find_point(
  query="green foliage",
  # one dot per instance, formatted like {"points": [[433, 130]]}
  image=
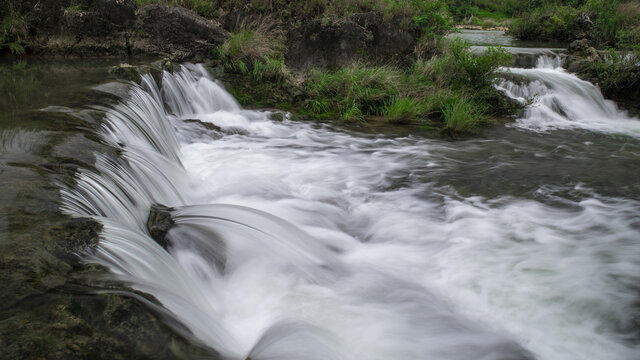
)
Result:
{"points": [[433, 17], [618, 72], [442, 87], [612, 23], [14, 32], [480, 69]]}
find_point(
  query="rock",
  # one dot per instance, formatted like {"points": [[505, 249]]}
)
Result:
{"points": [[159, 223], [368, 20], [390, 43], [365, 37], [177, 31], [326, 46], [578, 46], [126, 72], [236, 18]]}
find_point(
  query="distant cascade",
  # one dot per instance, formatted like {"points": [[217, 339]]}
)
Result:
{"points": [[556, 99]]}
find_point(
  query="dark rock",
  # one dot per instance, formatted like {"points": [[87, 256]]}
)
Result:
{"points": [[206, 125], [391, 43], [118, 12], [578, 46], [236, 19], [369, 20], [159, 223], [367, 37], [327, 46], [126, 72], [176, 31]]}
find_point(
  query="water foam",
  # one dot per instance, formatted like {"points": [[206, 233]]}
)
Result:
{"points": [[297, 241]]}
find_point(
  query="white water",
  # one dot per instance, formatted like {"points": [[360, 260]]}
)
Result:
{"points": [[295, 241], [560, 100]]}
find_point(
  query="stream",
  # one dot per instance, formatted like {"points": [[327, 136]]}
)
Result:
{"points": [[303, 240]]}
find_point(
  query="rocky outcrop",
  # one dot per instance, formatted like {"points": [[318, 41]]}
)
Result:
{"points": [[112, 27], [366, 37], [176, 31]]}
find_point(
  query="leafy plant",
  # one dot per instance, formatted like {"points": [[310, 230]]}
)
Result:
{"points": [[13, 29]]}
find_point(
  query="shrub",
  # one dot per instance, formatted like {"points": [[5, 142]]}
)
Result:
{"points": [[480, 69], [13, 29]]}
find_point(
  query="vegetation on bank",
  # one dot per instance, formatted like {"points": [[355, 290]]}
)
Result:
{"points": [[605, 23], [452, 91], [13, 29], [444, 86]]}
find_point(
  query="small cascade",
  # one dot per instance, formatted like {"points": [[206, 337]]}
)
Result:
{"points": [[556, 99]]}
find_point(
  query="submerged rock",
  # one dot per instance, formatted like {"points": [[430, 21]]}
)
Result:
{"points": [[126, 72], [159, 223]]}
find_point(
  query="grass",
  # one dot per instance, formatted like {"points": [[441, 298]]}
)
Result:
{"points": [[462, 115], [403, 110], [256, 50], [454, 88]]}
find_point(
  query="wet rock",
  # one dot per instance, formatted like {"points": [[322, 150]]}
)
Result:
{"points": [[126, 72], [159, 223], [206, 125]]}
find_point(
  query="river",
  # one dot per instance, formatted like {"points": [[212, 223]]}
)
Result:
{"points": [[302, 240]]}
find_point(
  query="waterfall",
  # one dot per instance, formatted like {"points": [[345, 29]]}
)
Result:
{"points": [[557, 99], [296, 241]]}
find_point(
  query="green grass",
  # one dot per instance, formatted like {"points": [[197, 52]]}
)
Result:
{"points": [[462, 115], [442, 88], [403, 110], [256, 50]]}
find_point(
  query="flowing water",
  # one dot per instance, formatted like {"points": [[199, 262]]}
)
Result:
{"points": [[297, 240]]}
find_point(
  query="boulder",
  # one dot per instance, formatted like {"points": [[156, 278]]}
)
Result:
{"points": [[176, 31], [391, 43], [365, 37], [578, 46], [318, 45]]}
